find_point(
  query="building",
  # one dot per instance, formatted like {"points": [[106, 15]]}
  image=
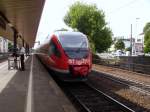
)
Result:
{"points": [[126, 40], [3, 45], [138, 46], [137, 43]]}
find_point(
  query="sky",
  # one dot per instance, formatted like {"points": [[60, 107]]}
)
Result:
{"points": [[119, 15]]}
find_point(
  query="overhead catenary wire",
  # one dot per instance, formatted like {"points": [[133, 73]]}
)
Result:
{"points": [[123, 6]]}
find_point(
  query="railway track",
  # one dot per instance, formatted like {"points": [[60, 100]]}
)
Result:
{"points": [[92, 99], [124, 71], [135, 85]]}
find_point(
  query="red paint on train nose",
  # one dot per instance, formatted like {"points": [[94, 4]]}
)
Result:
{"points": [[80, 70]]}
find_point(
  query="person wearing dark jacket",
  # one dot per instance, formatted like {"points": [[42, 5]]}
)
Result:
{"points": [[22, 52]]}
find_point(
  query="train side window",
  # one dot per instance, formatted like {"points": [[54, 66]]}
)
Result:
{"points": [[50, 51], [53, 49]]}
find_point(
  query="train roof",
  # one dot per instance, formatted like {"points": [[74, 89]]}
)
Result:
{"points": [[59, 34]]}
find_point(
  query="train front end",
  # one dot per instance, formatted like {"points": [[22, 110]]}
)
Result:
{"points": [[76, 48]]}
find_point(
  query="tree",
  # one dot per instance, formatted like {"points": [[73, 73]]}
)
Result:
{"points": [[91, 21], [147, 46], [146, 31], [62, 29], [119, 45], [128, 49], [146, 28]]}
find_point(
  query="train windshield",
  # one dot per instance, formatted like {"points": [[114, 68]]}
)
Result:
{"points": [[73, 41], [75, 46]]}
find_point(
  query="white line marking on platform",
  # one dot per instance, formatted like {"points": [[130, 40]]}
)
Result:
{"points": [[29, 96]]}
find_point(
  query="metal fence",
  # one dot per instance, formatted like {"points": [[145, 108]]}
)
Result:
{"points": [[4, 56], [136, 64]]}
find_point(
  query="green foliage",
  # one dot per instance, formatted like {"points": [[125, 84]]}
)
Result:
{"points": [[10, 46], [147, 46], [92, 46], [147, 38], [128, 49], [62, 29], [119, 45], [147, 26], [90, 20]]}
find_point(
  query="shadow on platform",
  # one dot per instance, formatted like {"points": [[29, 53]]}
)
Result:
{"points": [[13, 96]]}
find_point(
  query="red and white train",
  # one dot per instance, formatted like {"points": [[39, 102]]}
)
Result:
{"points": [[68, 54]]}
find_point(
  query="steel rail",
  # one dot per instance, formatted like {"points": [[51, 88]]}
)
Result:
{"points": [[121, 104], [82, 93], [131, 86]]}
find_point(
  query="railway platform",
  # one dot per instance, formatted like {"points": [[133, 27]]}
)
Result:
{"points": [[32, 90]]}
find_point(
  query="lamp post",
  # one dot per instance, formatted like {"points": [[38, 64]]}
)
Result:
{"points": [[131, 41], [137, 32], [136, 35]]}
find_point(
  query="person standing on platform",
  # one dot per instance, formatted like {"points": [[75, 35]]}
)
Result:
{"points": [[22, 52]]}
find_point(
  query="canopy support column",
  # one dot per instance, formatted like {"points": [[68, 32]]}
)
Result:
{"points": [[22, 42], [27, 49], [15, 43], [15, 48]]}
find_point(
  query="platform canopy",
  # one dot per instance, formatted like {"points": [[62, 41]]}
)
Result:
{"points": [[23, 15]]}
